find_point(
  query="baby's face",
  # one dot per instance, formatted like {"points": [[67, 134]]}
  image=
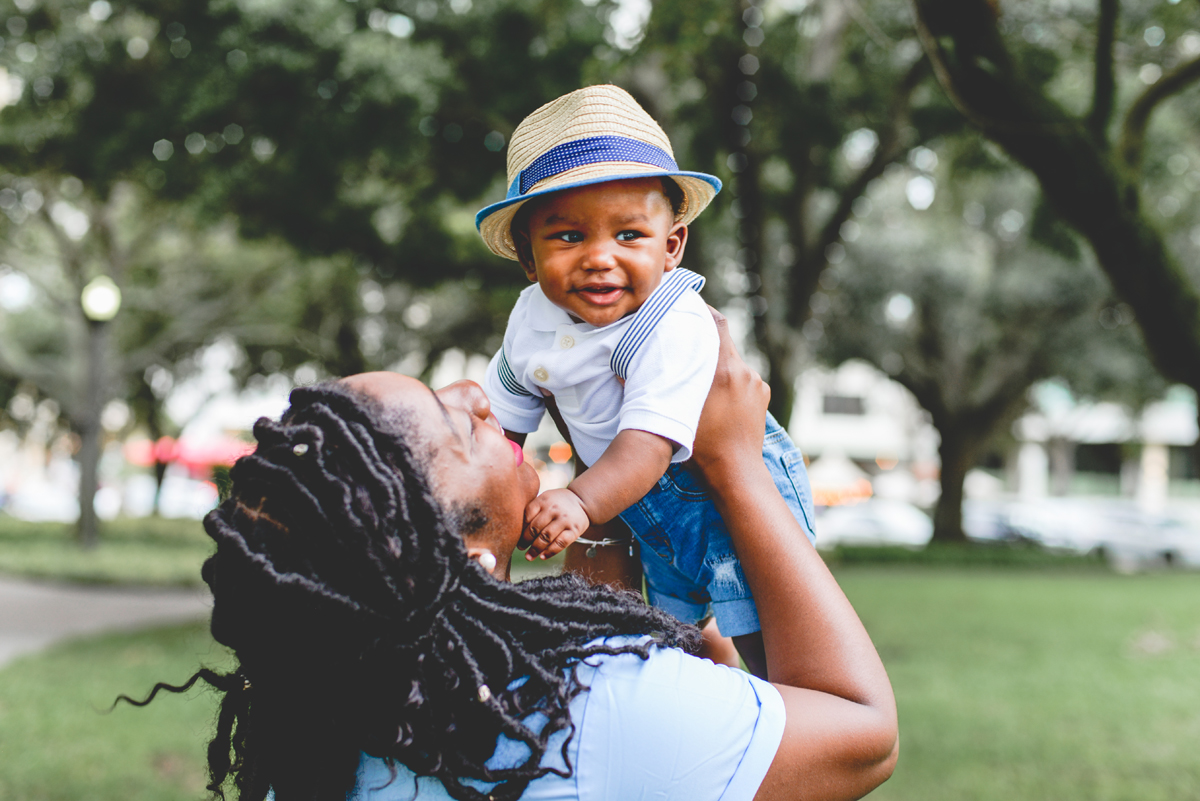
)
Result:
{"points": [[599, 251]]}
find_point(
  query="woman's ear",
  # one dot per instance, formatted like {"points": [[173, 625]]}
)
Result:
{"points": [[676, 244], [485, 558]]}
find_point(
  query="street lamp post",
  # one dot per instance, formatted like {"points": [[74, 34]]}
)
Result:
{"points": [[100, 300]]}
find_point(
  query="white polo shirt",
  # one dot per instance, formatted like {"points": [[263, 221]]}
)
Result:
{"points": [[666, 352]]}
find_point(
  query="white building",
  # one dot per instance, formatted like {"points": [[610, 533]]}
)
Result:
{"points": [[1063, 447]]}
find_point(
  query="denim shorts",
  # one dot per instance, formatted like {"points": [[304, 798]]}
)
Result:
{"points": [[688, 559]]}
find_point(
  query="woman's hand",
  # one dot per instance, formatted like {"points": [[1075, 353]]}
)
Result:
{"points": [[730, 434]]}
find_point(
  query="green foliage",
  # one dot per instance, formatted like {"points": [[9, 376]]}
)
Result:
{"points": [[307, 120], [149, 551]]}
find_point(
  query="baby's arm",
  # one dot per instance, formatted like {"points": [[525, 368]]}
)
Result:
{"points": [[629, 467]]}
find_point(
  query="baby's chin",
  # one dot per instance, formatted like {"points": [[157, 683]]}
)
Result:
{"points": [[602, 316]]}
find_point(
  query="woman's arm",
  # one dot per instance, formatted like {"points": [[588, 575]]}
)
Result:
{"points": [[840, 740]]}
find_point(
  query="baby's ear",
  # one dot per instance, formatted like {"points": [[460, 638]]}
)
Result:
{"points": [[525, 254], [676, 244]]}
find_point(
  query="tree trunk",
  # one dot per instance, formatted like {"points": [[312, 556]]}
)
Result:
{"points": [[1062, 466], [89, 434], [349, 359], [782, 380], [769, 300], [957, 453], [1195, 449], [153, 411]]}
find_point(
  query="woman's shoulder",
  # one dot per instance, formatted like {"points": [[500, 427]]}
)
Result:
{"points": [[659, 663], [676, 723], [668, 682]]}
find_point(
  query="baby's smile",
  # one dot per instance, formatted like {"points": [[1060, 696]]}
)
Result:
{"points": [[601, 294]]}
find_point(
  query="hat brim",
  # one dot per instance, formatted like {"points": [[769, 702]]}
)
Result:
{"points": [[494, 222]]}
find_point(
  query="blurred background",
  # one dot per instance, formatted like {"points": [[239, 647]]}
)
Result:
{"points": [[961, 239]]}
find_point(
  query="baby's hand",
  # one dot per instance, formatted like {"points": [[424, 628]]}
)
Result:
{"points": [[553, 520]]}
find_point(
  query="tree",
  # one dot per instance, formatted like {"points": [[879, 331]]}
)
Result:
{"points": [[969, 300], [799, 108], [180, 289], [1088, 150]]}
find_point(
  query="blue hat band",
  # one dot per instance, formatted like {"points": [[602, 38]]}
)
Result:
{"points": [[570, 155]]}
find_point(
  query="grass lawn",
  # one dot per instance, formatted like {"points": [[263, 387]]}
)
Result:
{"points": [[1038, 685], [57, 744], [146, 551], [141, 551]]}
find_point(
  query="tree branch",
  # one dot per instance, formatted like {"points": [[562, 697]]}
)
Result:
{"points": [[1133, 133], [928, 395], [68, 251], [872, 30], [1026, 366], [1085, 184], [827, 46], [48, 378], [802, 284], [891, 145], [53, 293], [1103, 81]]}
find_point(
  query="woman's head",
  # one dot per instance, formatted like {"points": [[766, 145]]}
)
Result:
{"points": [[343, 583], [477, 474]]}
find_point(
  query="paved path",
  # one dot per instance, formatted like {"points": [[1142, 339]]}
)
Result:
{"points": [[34, 615]]}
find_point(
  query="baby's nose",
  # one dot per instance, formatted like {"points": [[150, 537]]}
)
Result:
{"points": [[600, 257]]}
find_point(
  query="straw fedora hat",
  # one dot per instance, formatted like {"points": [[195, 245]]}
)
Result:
{"points": [[592, 135]]}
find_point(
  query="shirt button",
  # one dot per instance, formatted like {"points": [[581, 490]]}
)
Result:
{"points": [[567, 341], [541, 374]]}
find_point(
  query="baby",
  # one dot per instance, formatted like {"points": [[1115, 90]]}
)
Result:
{"points": [[616, 332]]}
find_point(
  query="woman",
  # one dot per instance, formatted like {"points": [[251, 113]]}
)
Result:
{"points": [[361, 580]]}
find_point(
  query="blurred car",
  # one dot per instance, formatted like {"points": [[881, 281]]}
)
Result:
{"points": [[1129, 538], [878, 521], [1181, 543], [987, 521], [1136, 540]]}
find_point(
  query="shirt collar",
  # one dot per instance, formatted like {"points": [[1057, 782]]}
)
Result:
{"points": [[544, 315]]}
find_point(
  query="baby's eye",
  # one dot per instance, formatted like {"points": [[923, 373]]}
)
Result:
{"points": [[629, 236], [568, 236]]}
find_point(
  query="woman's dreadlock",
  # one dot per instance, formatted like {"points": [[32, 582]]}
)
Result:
{"points": [[360, 624]]}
